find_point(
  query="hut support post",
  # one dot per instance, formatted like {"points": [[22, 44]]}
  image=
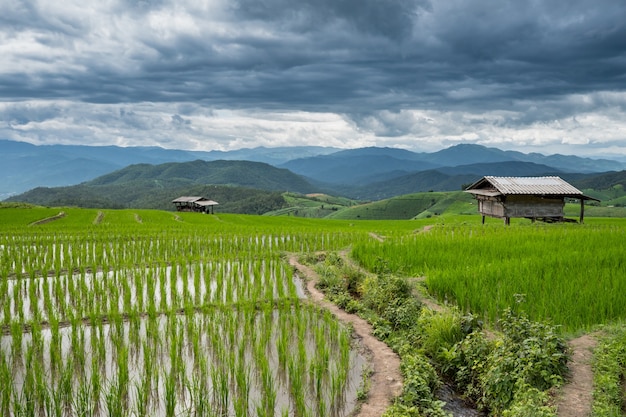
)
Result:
{"points": [[582, 211]]}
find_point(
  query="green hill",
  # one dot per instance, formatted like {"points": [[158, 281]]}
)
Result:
{"points": [[410, 206], [312, 205], [609, 187], [238, 187], [152, 196], [237, 173]]}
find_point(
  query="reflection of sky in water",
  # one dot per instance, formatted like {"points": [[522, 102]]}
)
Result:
{"points": [[207, 331]]}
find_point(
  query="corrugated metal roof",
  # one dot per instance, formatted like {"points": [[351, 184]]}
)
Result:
{"points": [[524, 185], [485, 192], [185, 199], [533, 185], [207, 203]]}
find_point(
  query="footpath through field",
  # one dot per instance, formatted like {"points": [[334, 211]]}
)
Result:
{"points": [[573, 400], [576, 395], [386, 379]]}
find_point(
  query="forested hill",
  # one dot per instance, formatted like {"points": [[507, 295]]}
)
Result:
{"points": [[250, 174], [238, 186]]}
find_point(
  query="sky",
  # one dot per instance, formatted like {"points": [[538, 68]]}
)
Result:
{"points": [[534, 76]]}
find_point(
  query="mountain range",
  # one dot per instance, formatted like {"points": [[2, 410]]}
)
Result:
{"points": [[26, 166], [364, 165], [364, 174]]}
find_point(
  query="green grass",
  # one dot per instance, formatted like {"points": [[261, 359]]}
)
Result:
{"points": [[453, 203], [569, 274], [23, 216], [573, 211], [609, 371]]}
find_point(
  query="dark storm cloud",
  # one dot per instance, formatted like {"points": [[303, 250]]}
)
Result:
{"points": [[537, 47], [371, 61], [336, 53], [388, 18]]}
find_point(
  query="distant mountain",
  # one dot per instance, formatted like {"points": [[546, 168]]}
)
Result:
{"points": [[503, 169], [272, 156], [361, 166], [396, 153], [155, 186], [465, 154], [355, 171], [356, 168], [25, 166], [444, 179]]}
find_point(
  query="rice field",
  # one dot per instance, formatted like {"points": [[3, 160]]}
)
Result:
{"points": [[150, 313], [570, 274], [153, 315]]}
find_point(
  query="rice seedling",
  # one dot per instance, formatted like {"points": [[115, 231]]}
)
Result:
{"points": [[153, 321], [484, 269]]}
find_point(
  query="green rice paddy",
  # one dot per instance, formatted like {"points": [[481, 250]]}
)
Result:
{"points": [[140, 312]]}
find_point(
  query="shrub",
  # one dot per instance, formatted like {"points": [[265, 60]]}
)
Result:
{"points": [[468, 362], [529, 402], [353, 281], [390, 297], [420, 383], [439, 331], [514, 372], [329, 282]]}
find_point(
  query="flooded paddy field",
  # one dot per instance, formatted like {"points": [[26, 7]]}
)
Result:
{"points": [[166, 325]]}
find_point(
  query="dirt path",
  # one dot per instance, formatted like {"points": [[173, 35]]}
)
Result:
{"points": [[386, 380], [575, 397], [377, 237], [49, 219], [98, 218]]}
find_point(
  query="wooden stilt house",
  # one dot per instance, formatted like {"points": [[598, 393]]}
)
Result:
{"points": [[535, 198], [196, 204]]}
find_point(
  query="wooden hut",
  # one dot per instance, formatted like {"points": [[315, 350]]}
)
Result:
{"points": [[535, 198], [196, 204]]}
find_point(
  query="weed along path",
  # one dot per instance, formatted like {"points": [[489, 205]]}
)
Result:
{"points": [[386, 380], [576, 395]]}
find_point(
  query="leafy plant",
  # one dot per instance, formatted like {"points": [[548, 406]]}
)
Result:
{"points": [[420, 383], [439, 331], [513, 371], [390, 297], [609, 373]]}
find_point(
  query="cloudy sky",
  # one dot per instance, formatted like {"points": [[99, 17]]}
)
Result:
{"points": [[533, 75]]}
